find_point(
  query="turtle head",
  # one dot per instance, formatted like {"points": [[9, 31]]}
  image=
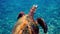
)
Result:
{"points": [[32, 10]]}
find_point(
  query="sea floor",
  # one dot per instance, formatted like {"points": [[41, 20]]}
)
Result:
{"points": [[49, 10]]}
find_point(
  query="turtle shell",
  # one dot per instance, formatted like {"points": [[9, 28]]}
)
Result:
{"points": [[25, 25]]}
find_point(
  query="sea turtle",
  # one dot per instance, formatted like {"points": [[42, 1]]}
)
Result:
{"points": [[27, 25]]}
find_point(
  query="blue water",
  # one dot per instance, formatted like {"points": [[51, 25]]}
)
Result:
{"points": [[49, 10]]}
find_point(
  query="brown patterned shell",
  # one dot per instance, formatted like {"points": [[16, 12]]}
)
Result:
{"points": [[24, 26]]}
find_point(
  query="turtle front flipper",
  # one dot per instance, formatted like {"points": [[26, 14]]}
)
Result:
{"points": [[44, 25], [20, 15]]}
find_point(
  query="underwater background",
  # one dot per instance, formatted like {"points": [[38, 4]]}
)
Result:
{"points": [[49, 10]]}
